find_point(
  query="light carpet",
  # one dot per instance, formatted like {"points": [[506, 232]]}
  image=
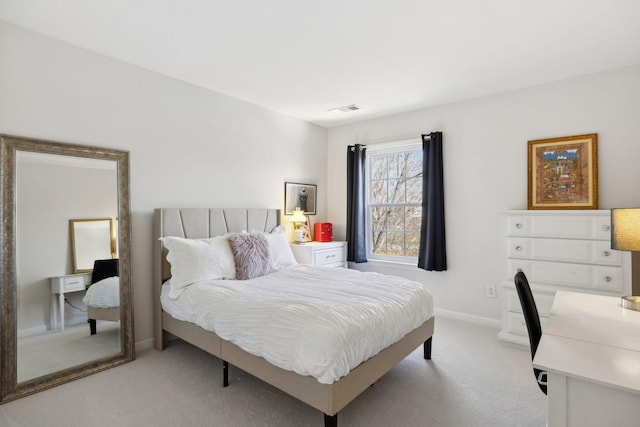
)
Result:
{"points": [[56, 350], [472, 380]]}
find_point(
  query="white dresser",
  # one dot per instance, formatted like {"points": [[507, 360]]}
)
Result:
{"points": [[325, 254], [559, 250]]}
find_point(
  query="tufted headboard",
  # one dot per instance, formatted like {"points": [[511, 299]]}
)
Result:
{"points": [[199, 223]]}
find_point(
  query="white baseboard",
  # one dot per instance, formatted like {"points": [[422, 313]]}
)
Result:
{"points": [[144, 344], [29, 332], [485, 321]]}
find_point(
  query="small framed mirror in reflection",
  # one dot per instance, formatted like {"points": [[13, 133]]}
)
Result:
{"points": [[91, 239]]}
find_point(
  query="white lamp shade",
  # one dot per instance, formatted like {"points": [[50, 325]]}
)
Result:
{"points": [[298, 216], [625, 229]]}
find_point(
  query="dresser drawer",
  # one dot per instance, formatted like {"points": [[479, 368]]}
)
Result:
{"points": [[328, 257], [518, 226], [564, 250], [603, 254], [608, 279], [583, 276], [564, 227], [543, 302], [517, 325], [552, 249]]}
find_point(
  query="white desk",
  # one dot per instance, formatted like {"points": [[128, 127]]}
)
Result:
{"points": [[61, 285], [590, 348]]}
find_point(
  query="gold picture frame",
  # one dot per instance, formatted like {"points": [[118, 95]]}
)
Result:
{"points": [[563, 172]]}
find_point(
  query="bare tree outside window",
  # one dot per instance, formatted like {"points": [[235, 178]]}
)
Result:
{"points": [[395, 203]]}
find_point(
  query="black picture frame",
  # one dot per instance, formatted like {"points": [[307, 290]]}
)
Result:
{"points": [[300, 195]]}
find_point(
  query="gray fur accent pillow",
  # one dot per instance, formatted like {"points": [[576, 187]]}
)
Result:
{"points": [[251, 254]]}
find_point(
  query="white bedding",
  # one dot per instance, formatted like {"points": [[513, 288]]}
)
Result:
{"points": [[314, 321], [104, 294]]}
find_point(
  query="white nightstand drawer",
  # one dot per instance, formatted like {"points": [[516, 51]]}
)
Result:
{"points": [[324, 257], [325, 254]]}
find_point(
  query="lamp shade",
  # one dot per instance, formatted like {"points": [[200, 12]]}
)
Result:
{"points": [[625, 229], [298, 216]]}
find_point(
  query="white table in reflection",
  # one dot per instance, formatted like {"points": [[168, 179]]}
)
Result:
{"points": [[62, 285], [590, 348]]}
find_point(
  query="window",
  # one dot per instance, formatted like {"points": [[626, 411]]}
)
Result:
{"points": [[394, 200]]}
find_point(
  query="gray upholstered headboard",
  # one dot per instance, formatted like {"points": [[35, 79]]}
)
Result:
{"points": [[198, 223]]}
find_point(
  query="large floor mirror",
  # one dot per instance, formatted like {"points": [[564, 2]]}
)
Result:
{"points": [[66, 293]]}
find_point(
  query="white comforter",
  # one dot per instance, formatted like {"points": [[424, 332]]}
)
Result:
{"points": [[314, 321], [104, 294]]}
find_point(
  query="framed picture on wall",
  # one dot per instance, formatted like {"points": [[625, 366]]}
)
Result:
{"points": [[563, 172], [301, 196]]}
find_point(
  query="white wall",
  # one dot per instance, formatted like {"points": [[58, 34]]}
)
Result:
{"points": [[193, 147], [485, 150], [188, 146]]}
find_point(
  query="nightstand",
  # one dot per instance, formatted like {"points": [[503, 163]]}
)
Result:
{"points": [[64, 285], [324, 254]]}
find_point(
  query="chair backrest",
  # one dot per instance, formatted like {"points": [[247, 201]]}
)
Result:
{"points": [[532, 320], [529, 310], [103, 268]]}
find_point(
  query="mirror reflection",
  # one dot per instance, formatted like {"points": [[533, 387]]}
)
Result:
{"points": [[55, 257], [91, 239]]}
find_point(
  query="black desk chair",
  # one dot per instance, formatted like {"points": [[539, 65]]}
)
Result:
{"points": [[533, 323], [104, 268]]}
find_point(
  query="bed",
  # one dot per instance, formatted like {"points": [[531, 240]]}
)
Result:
{"points": [[329, 396], [103, 294]]}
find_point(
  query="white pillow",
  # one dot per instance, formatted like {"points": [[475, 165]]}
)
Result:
{"points": [[280, 251], [195, 260]]}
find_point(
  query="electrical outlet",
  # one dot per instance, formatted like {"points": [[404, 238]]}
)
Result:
{"points": [[491, 291]]}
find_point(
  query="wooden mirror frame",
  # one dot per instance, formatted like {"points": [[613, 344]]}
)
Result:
{"points": [[10, 389]]}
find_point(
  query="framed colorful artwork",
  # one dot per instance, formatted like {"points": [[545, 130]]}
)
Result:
{"points": [[563, 173]]}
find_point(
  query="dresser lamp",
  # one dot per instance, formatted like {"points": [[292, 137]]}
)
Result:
{"points": [[297, 220], [625, 236]]}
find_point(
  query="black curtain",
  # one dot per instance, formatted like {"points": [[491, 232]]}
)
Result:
{"points": [[432, 255], [356, 209]]}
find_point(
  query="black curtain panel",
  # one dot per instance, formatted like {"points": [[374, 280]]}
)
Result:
{"points": [[432, 255], [356, 231]]}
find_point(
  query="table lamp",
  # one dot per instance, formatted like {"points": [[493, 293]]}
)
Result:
{"points": [[625, 236], [297, 220]]}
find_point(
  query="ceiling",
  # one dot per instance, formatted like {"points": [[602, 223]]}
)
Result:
{"points": [[302, 58]]}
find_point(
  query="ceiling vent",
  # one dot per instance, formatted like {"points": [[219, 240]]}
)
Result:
{"points": [[344, 109]]}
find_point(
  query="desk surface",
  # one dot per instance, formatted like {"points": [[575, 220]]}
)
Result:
{"points": [[592, 337]]}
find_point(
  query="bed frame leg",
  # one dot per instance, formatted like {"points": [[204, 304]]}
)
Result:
{"points": [[92, 326], [225, 373], [427, 348], [330, 420]]}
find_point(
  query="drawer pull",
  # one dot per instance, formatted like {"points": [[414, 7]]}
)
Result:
{"points": [[330, 256], [518, 248], [606, 228], [518, 225], [608, 279], [606, 253]]}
